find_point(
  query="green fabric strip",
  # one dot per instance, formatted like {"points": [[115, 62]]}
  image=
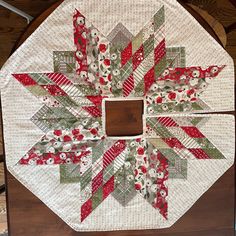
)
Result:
{"points": [[159, 18], [69, 173]]}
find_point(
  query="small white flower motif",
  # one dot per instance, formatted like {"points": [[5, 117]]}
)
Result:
{"points": [[208, 79], [160, 175], [63, 156], [94, 33], [113, 56], [80, 20], [163, 193], [130, 177], [79, 54], [154, 188], [133, 144], [119, 85], [50, 150], [203, 85], [214, 70], [148, 182], [116, 72], [164, 107], [196, 73], [57, 144], [185, 87], [94, 67], [68, 161], [83, 74], [67, 147], [166, 72], [155, 151], [26, 156], [198, 93], [152, 173], [127, 165], [85, 122], [50, 161], [183, 77], [154, 87], [78, 153], [193, 82], [150, 110], [32, 162], [98, 87]]}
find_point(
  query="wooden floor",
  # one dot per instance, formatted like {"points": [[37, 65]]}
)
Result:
{"points": [[12, 25]]}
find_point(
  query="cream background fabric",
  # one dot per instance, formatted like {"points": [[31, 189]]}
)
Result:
{"points": [[18, 105]]}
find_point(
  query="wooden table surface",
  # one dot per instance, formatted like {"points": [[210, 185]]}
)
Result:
{"points": [[212, 215]]}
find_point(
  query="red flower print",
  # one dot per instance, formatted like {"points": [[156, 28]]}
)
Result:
{"points": [[190, 92], [159, 100], [172, 96], [102, 48], [107, 62], [57, 132], [141, 151], [67, 138], [135, 172], [102, 81], [109, 77], [138, 186], [75, 132], [80, 137], [144, 169], [193, 99], [93, 131], [145, 159]]}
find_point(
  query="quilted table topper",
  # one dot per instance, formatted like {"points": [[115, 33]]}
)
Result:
{"points": [[54, 90]]}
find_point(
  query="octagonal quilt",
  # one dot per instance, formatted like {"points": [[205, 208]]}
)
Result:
{"points": [[54, 89]]}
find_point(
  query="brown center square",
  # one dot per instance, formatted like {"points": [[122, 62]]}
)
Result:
{"points": [[124, 118]]}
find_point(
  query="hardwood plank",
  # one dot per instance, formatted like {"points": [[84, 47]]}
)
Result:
{"points": [[3, 214], [222, 10], [11, 28], [33, 8], [2, 173]]}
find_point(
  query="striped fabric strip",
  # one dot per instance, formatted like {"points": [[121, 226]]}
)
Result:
{"points": [[113, 152], [166, 121], [93, 111], [128, 86], [185, 139]]}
